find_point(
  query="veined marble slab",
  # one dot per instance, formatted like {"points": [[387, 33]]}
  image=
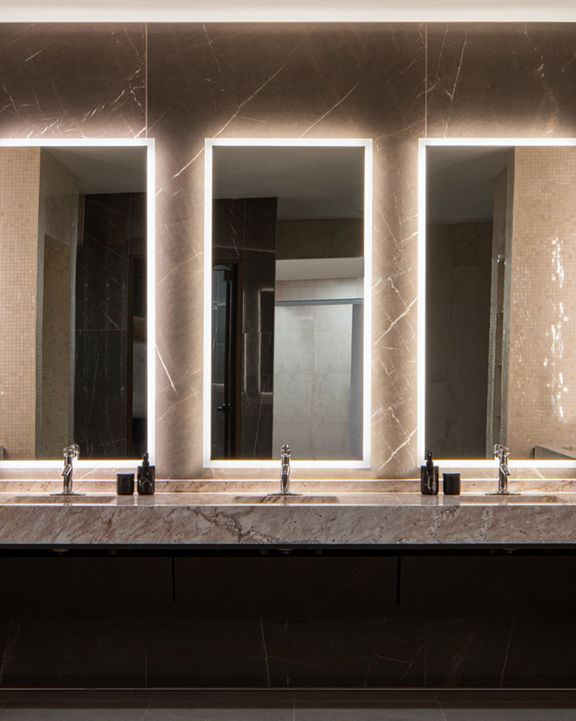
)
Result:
{"points": [[312, 518]]}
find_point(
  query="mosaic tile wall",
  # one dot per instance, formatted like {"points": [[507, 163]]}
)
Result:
{"points": [[19, 184], [542, 365]]}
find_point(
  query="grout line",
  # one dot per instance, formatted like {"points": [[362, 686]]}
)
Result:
{"points": [[263, 638], [507, 653], [426, 80], [146, 78], [146, 658], [435, 695]]}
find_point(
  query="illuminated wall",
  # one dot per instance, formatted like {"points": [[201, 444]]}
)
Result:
{"points": [[393, 83]]}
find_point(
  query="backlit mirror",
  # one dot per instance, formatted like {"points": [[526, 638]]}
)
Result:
{"points": [[73, 299], [286, 300], [500, 317]]}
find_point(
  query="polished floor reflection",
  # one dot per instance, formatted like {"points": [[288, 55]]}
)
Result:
{"points": [[288, 706]]}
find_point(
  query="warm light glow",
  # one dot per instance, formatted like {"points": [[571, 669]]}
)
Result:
{"points": [[201, 11], [424, 143], [151, 294], [368, 174]]}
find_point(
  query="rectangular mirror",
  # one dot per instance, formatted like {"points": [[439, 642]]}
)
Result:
{"points": [[500, 315], [74, 308], [287, 285]]}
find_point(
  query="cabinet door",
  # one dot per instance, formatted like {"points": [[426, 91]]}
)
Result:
{"points": [[499, 584], [80, 586], [285, 586]]}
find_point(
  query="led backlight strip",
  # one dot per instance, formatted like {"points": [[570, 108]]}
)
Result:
{"points": [[148, 144], [271, 11], [424, 144], [368, 175]]}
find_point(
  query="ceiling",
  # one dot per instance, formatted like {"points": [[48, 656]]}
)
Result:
{"points": [[287, 10], [460, 182], [105, 169], [309, 182]]}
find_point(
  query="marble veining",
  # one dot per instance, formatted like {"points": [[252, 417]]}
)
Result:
{"points": [[181, 83], [257, 518]]}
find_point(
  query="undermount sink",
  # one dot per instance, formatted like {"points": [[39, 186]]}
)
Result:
{"points": [[32, 499], [168, 499], [184, 499], [530, 499], [256, 499]]}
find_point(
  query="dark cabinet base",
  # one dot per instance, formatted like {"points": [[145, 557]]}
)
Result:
{"points": [[290, 618]]}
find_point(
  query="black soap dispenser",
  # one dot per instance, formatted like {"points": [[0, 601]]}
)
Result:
{"points": [[146, 477], [429, 475]]}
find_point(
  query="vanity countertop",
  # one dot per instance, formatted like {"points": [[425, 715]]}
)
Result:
{"points": [[231, 518]]}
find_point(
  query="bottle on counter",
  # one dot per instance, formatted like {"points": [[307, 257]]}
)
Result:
{"points": [[429, 477], [146, 477]]}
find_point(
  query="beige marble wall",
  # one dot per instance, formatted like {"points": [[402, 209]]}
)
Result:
{"points": [[393, 83]]}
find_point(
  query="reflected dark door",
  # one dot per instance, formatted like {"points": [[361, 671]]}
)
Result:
{"points": [[224, 348]]}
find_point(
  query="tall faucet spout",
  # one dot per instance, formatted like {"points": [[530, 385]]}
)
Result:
{"points": [[285, 469], [71, 453], [502, 454]]}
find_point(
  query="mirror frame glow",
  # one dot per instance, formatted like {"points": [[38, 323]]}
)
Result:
{"points": [[211, 143], [423, 145], [148, 144]]}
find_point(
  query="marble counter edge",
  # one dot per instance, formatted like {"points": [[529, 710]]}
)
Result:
{"points": [[392, 524]]}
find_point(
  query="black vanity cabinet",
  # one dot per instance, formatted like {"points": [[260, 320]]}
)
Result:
{"points": [[286, 583], [497, 582], [84, 584], [296, 617]]}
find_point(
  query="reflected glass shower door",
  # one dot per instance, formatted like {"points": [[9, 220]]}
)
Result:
{"points": [[224, 349]]}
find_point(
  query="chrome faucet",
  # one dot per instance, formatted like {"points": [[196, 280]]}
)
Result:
{"points": [[71, 453], [502, 454], [285, 471]]}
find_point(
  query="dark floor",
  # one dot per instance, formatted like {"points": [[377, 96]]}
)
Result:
{"points": [[288, 706]]}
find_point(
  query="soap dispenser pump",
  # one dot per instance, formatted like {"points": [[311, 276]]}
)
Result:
{"points": [[146, 477], [429, 476]]}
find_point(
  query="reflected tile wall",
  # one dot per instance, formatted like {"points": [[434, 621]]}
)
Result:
{"points": [[340, 80]]}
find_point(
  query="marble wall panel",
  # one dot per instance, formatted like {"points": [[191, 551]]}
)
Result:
{"points": [[389, 82], [501, 80], [305, 81], [297, 652], [72, 80], [45, 652]]}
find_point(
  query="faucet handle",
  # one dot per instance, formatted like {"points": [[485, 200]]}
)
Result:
{"points": [[285, 449], [72, 451], [501, 452]]}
